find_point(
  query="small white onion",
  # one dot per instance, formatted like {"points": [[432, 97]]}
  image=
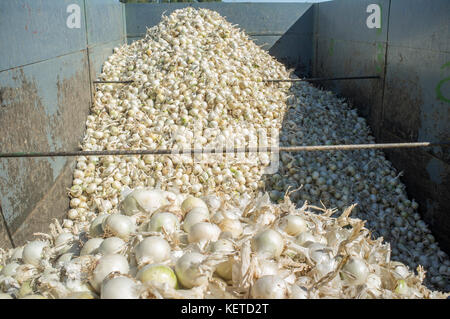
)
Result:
{"points": [[192, 202], [32, 252], [293, 225], [145, 200], [111, 245], [193, 217], [106, 265], [188, 272], [158, 273], [203, 232], [232, 226], [269, 287], [268, 243], [119, 288], [96, 228], [66, 242], [355, 271], [167, 220], [119, 225], [91, 246]]}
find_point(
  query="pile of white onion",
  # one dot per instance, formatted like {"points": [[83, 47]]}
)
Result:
{"points": [[239, 247], [132, 232], [198, 84]]}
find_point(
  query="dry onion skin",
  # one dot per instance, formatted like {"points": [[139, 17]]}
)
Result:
{"points": [[195, 67]]}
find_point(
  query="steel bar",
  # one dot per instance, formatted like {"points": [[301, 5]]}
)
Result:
{"points": [[125, 82], [325, 79], [342, 147], [281, 80]]}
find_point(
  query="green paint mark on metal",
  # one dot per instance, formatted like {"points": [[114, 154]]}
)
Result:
{"points": [[380, 58], [439, 95], [331, 49], [380, 29]]}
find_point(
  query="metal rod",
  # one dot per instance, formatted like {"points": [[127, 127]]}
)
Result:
{"points": [[282, 80], [325, 79], [343, 147], [125, 82]]}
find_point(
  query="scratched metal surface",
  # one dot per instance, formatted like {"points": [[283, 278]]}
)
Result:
{"points": [[45, 96], [345, 46], [412, 103], [416, 104], [32, 31], [284, 29]]}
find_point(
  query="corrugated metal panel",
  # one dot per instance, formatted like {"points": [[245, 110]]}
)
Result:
{"points": [[32, 31]]}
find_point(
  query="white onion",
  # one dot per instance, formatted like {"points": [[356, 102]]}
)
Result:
{"points": [[96, 228], [224, 269], [152, 249], [91, 246], [32, 252], [167, 220], [106, 265], [293, 225], [111, 245], [119, 288], [203, 232], [192, 202], [269, 287], [119, 225], [232, 226], [157, 273], [268, 243], [66, 241], [195, 216], [355, 271], [188, 272], [145, 200]]}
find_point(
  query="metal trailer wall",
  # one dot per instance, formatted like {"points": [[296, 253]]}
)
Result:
{"points": [[46, 70], [411, 52], [284, 29]]}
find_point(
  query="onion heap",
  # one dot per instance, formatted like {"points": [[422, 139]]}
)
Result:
{"points": [[170, 227], [280, 251]]}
